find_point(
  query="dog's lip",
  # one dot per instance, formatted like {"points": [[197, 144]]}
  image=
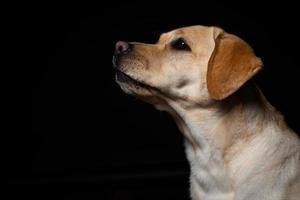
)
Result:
{"points": [[124, 77], [114, 62]]}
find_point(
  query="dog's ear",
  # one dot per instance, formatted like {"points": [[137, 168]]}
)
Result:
{"points": [[231, 64]]}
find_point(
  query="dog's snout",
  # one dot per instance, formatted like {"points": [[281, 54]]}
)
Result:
{"points": [[123, 47]]}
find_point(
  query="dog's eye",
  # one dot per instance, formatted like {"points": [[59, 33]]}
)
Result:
{"points": [[180, 44]]}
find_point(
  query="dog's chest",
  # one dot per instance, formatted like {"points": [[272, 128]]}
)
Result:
{"points": [[209, 177]]}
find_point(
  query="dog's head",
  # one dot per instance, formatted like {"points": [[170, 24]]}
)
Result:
{"points": [[198, 64]]}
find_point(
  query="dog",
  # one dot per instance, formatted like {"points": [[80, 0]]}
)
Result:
{"points": [[237, 144]]}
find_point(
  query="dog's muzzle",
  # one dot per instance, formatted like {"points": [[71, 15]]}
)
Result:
{"points": [[121, 49]]}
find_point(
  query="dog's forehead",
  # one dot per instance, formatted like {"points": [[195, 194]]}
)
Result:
{"points": [[187, 32]]}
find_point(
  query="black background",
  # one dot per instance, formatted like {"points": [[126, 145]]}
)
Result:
{"points": [[87, 139]]}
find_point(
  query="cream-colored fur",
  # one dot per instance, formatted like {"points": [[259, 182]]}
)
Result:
{"points": [[238, 145]]}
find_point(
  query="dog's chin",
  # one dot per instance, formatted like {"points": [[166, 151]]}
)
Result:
{"points": [[132, 86]]}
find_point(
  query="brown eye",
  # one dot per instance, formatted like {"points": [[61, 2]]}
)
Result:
{"points": [[180, 44]]}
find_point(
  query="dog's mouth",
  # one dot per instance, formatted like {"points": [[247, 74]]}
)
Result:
{"points": [[124, 78], [129, 82]]}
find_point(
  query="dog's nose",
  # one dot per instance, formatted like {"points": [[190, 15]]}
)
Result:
{"points": [[123, 47]]}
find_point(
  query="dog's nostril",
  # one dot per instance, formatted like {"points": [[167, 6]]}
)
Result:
{"points": [[122, 47]]}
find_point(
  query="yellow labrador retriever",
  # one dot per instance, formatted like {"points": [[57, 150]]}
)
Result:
{"points": [[238, 145]]}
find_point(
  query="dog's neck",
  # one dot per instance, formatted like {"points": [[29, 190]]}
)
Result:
{"points": [[205, 125], [211, 134]]}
